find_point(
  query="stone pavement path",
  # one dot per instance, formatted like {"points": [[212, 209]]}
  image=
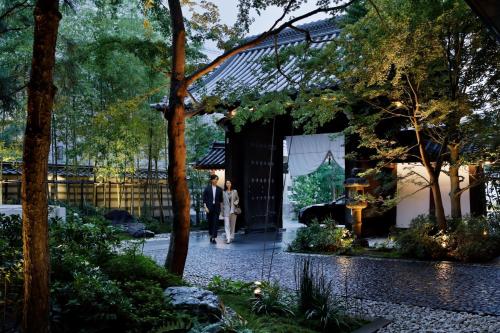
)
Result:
{"points": [[445, 285], [460, 288]]}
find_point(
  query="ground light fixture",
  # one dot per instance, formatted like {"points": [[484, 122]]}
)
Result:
{"points": [[257, 292]]}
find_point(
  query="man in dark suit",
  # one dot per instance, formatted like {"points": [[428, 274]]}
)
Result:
{"points": [[212, 202]]}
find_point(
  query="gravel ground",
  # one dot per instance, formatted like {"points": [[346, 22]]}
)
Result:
{"points": [[416, 296], [409, 318]]}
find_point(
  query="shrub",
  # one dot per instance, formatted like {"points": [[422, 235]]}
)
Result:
{"points": [[90, 303], [133, 266], [88, 236], [326, 237], [156, 226], [422, 240], [125, 296], [475, 239], [218, 284], [150, 310], [467, 239]]}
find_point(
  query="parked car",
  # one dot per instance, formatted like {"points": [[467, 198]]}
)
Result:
{"points": [[331, 210]]}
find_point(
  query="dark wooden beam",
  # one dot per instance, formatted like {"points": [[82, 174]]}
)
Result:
{"points": [[489, 12]]}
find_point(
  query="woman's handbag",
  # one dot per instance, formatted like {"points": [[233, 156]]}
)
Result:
{"points": [[237, 210]]}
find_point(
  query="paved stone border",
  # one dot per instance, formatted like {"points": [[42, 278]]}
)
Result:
{"points": [[493, 263], [374, 326]]}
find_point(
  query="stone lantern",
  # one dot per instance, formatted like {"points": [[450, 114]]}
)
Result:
{"points": [[355, 187]]}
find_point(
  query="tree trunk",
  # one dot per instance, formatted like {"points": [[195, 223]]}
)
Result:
{"points": [[41, 92], [433, 172], [438, 203], [175, 116], [455, 193]]}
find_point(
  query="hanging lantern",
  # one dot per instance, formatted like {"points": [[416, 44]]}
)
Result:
{"points": [[355, 187]]}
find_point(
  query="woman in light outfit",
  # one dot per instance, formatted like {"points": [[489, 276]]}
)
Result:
{"points": [[231, 200]]}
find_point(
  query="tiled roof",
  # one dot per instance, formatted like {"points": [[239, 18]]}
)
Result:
{"points": [[80, 171], [245, 69], [214, 159]]}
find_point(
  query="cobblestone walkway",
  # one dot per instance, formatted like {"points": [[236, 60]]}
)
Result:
{"points": [[438, 285]]}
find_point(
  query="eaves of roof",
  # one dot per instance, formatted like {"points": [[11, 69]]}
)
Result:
{"points": [[14, 169], [245, 70], [214, 159]]}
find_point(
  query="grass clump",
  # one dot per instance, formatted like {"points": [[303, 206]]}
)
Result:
{"points": [[317, 302]]}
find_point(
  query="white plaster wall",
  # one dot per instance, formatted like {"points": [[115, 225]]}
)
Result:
{"points": [[416, 202], [54, 211]]}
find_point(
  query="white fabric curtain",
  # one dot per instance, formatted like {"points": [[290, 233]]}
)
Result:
{"points": [[307, 152]]}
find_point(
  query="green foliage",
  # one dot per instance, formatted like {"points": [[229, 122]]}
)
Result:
{"points": [[235, 323], [471, 239], [90, 303], [421, 240], [93, 289], [475, 239], [11, 268], [151, 310], [154, 225], [326, 237], [271, 300], [318, 187], [425, 65], [81, 240], [132, 266], [218, 284], [263, 323]]}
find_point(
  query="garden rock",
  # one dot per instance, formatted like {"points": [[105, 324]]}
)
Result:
{"points": [[117, 216], [195, 300], [212, 328], [138, 230]]}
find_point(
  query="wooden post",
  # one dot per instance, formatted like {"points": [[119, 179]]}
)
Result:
{"points": [[109, 195], [132, 198], [81, 194], [19, 191], [118, 193]]}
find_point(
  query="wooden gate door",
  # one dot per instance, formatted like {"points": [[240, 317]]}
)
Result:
{"points": [[263, 170]]}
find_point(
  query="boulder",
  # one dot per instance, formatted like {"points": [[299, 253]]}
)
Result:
{"points": [[212, 328], [138, 230], [195, 300], [117, 216], [143, 233]]}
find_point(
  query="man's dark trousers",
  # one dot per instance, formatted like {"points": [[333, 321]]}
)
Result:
{"points": [[213, 219]]}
